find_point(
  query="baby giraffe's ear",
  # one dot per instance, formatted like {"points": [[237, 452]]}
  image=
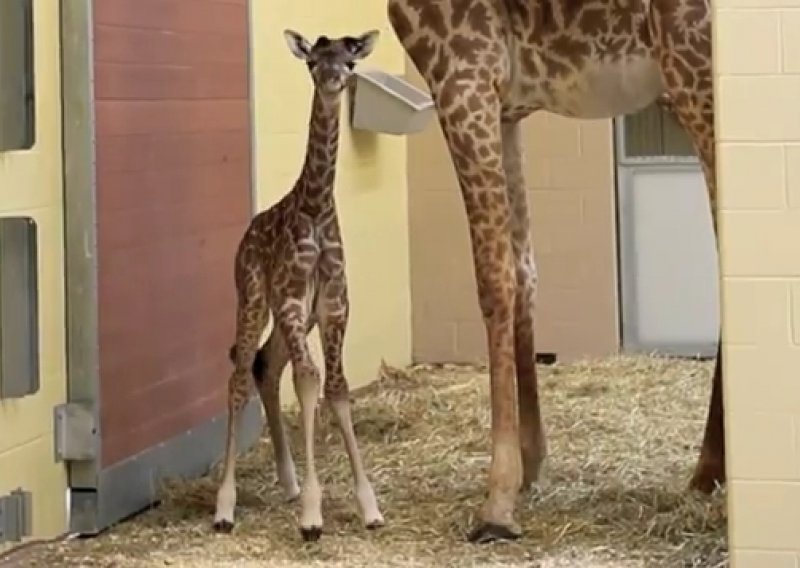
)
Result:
{"points": [[361, 46], [298, 45]]}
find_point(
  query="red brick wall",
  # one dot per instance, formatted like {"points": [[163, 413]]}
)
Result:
{"points": [[173, 196]]}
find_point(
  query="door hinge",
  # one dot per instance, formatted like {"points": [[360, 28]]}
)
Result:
{"points": [[75, 432], [16, 516]]}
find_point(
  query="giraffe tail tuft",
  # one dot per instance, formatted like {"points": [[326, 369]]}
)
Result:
{"points": [[259, 363]]}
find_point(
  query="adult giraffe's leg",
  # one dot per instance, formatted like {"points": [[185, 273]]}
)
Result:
{"points": [[251, 319], [469, 113], [685, 59], [465, 91], [710, 468], [333, 311], [532, 437]]}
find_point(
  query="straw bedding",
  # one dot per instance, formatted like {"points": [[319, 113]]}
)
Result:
{"points": [[622, 436]]}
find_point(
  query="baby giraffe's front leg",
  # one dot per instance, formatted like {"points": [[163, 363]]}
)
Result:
{"points": [[332, 312]]}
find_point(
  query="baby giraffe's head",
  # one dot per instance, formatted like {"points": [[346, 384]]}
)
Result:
{"points": [[331, 61]]}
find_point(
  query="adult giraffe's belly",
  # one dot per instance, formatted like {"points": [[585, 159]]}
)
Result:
{"points": [[604, 89]]}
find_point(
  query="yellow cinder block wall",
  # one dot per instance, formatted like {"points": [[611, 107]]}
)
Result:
{"points": [[757, 91], [371, 184], [31, 184]]}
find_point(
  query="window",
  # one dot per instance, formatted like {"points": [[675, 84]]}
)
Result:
{"points": [[655, 132], [19, 318], [17, 120]]}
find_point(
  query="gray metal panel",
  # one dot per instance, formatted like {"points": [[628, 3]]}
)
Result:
{"points": [[133, 485], [16, 520], [80, 222], [19, 313], [16, 75], [75, 432], [669, 272]]}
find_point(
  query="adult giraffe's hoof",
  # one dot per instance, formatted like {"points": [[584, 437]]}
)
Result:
{"points": [[375, 525], [707, 476], [485, 533], [311, 534], [223, 527]]}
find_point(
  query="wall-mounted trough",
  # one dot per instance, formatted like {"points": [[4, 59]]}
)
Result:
{"points": [[383, 102]]}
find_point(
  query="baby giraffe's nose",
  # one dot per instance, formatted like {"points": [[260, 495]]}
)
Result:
{"points": [[334, 83]]}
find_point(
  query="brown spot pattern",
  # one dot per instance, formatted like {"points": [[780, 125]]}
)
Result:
{"points": [[290, 263], [465, 57]]}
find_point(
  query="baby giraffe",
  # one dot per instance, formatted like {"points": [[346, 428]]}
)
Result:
{"points": [[290, 263]]}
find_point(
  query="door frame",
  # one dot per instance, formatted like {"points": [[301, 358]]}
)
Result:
{"points": [[83, 385]]}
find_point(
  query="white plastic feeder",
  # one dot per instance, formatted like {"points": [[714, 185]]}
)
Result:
{"points": [[386, 103]]}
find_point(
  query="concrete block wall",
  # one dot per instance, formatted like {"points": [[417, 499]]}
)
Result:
{"points": [[570, 177], [757, 67], [32, 186]]}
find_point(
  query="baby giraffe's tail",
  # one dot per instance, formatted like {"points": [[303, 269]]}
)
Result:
{"points": [[259, 363]]}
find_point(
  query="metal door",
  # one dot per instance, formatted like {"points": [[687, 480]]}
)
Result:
{"points": [[32, 338], [668, 260]]}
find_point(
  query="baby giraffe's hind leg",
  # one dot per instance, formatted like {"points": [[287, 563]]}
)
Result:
{"points": [[268, 368], [251, 319], [292, 320], [332, 314]]}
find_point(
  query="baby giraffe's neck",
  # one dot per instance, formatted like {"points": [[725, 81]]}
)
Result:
{"points": [[319, 169]]}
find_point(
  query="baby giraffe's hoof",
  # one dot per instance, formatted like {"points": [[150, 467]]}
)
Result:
{"points": [[375, 524], [311, 534], [491, 532], [223, 527]]}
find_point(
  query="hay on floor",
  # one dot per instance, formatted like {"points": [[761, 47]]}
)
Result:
{"points": [[623, 435]]}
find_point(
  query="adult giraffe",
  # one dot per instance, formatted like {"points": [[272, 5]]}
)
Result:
{"points": [[488, 65]]}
